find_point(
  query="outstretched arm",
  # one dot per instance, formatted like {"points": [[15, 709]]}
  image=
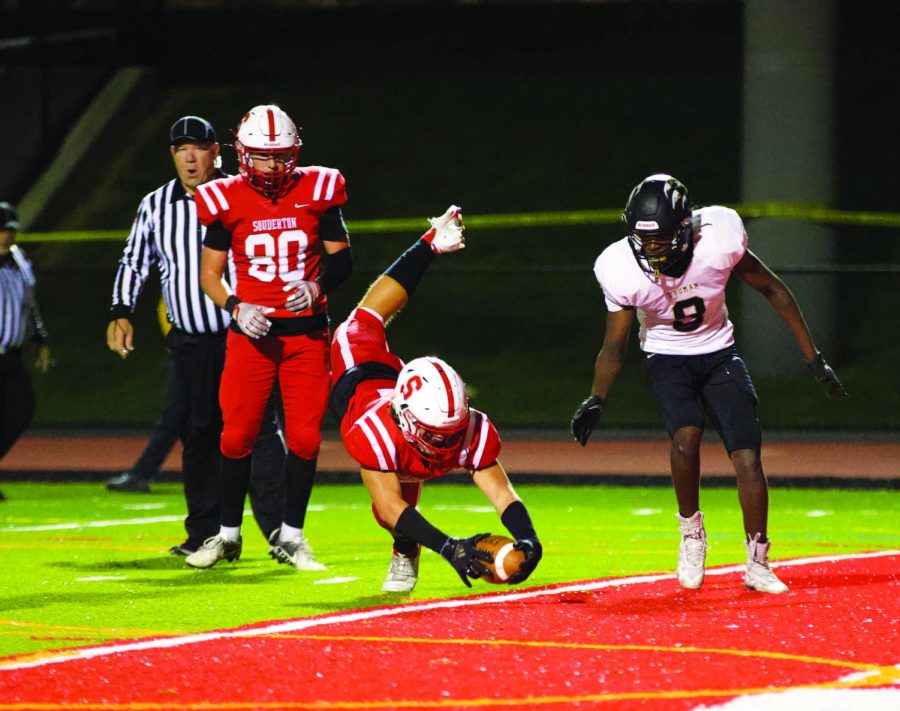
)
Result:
{"points": [[612, 353], [461, 553], [759, 277], [606, 370], [496, 486], [390, 292]]}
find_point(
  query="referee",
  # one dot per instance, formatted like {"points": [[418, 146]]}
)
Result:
{"points": [[19, 321], [166, 233]]}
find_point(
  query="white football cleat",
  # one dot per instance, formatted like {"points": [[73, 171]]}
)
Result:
{"points": [[447, 232], [212, 551], [403, 574], [759, 575], [297, 553], [691, 551]]}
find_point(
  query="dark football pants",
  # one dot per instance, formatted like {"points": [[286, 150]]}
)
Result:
{"points": [[197, 364], [16, 399], [717, 386], [166, 431]]}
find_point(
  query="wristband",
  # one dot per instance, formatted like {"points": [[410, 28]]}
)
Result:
{"points": [[412, 524], [517, 521], [231, 304]]}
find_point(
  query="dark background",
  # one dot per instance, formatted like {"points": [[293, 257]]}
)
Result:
{"points": [[499, 107]]}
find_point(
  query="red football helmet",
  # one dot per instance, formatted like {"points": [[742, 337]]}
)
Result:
{"points": [[431, 408], [268, 132]]}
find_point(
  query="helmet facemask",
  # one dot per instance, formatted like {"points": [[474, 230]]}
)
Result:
{"points": [[431, 408], [267, 133], [658, 217], [433, 444], [664, 254]]}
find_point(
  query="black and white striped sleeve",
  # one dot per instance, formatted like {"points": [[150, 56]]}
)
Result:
{"points": [[139, 254]]}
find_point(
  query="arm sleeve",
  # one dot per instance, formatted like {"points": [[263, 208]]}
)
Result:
{"points": [[336, 270], [134, 266], [332, 227], [412, 524], [217, 237], [517, 521]]}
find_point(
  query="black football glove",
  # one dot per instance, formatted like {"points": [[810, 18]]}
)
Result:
{"points": [[533, 551], [465, 558], [586, 417], [823, 372]]}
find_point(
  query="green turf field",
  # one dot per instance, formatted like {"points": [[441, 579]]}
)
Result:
{"points": [[83, 566]]}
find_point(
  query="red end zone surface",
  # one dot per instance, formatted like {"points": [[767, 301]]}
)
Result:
{"points": [[617, 644]]}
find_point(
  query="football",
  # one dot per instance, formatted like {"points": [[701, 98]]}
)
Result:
{"points": [[506, 560]]}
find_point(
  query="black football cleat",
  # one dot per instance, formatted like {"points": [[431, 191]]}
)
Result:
{"points": [[127, 481]]}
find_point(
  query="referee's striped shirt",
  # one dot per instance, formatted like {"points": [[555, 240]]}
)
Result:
{"points": [[166, 232], [19, 315]]}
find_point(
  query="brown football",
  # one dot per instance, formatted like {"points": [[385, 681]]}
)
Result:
{"points": [[506, 560]]}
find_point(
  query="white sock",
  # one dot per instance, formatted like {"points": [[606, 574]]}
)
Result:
{"points": [[289, 533], [229, 533]]}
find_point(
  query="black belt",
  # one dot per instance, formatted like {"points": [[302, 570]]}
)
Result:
{"points": [[176, 337], [296, 326]]}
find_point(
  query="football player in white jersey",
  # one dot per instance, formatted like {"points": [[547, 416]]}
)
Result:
{"points": [[670, 271]]}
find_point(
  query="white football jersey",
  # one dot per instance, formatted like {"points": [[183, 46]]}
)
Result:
{"points": [[684, 315]]}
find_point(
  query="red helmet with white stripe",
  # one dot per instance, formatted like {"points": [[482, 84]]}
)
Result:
{"points": [[431, 407], [267, 132]]}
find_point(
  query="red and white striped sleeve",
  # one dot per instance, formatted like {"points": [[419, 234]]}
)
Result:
{"points": [[369, 441]]}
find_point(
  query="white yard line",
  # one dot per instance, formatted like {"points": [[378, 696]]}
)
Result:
{"points": [[75, 525], [340, 618]]}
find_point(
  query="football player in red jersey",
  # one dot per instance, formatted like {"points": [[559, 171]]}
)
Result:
{"points": [[276, 218], [405, 424]]}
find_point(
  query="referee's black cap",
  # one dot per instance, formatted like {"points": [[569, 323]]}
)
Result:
{"points": [[9, 217], [192, 129]]}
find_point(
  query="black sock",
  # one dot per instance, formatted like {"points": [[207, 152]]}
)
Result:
{"points": [[298, 483], [405, 546], [235, 482]]}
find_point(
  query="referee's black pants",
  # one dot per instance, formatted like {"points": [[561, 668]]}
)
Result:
{"points": [[197, 369], [197, 365], [165, 432], [16, 399]]}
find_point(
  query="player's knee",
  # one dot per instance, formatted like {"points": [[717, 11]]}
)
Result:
{"points": [[236, 444], [747, 464], [304, 442], [686, 441], [381, 522]]}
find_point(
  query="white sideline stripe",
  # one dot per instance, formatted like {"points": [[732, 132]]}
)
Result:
{"points": [[304, 624], [91, 524], [72, 525]]}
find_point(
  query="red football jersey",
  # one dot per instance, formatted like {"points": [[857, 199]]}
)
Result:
{"points": [[273, 244], [361, 339], [376, 442]]}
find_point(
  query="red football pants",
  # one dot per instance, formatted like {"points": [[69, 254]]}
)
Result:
{"points": [[251, 366]]}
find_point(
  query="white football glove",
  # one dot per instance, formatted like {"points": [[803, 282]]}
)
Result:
{"points": [[252, 319], [305, 294], [447, 232]]}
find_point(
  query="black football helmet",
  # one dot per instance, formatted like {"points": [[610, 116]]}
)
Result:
{"points": [[658, 217]]}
